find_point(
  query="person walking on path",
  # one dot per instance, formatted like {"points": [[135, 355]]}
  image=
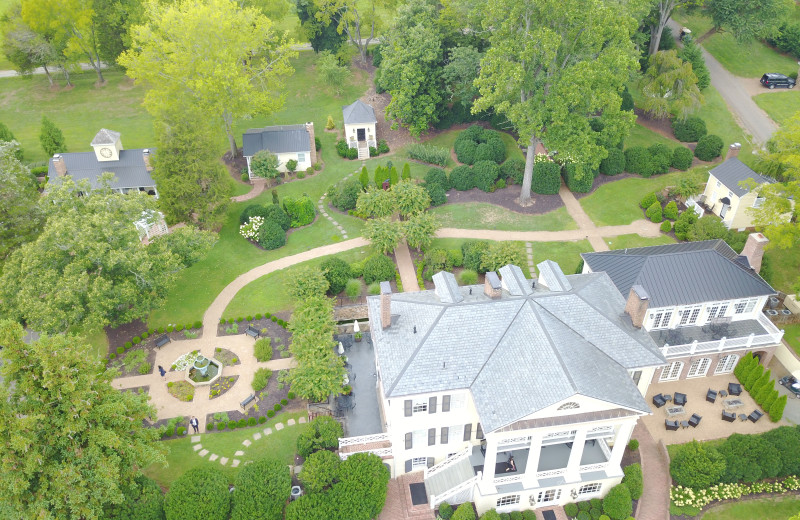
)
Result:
{"points": [[194, 423], [162, 371]]}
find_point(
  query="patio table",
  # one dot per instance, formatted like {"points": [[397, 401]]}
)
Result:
{"points": [[684, 424], [733, 403], [672, 411]]}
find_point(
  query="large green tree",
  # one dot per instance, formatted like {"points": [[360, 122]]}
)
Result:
{"points": [[25, 48], [463, 66], [748, 19], [112, 18], [70, 444], [19, 196], [354, 17], [193, 185], [552, 64], [88, 268], [659, 15], [669, 87], [212, 55], [322, 35], [261, 491], [411, 67]]}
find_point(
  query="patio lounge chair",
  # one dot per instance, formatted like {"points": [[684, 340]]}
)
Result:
{"points": [[711, 396], [756, 415], [694, 420], [671, 425], [734, 389], [679, 399], [728, 416], [659, 400]]}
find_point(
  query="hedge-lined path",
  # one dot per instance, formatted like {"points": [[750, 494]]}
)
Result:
{"points": [[324, 210], [405, 266], [654, 503], [258, 189], [261, 434]]}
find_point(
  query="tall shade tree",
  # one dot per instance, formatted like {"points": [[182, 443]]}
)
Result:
{"points": [[669, 87], [112, 19], [24, 48], [70, 442], [749, 19], [659, 16], [193, 185], [552, 64], [354, 18], [463, 66], [222, 60], [411, 67], [88, 268], [19, 196], [322, 35]]}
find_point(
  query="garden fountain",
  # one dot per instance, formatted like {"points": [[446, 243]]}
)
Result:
{"points": [[203, 371]]}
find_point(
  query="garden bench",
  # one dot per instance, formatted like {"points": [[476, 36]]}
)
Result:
{"points": [[162, 340], [249, 401], [252, 331]]}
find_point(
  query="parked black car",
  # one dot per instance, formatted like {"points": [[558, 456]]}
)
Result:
{"points": [[773, 79], [791, 383]]}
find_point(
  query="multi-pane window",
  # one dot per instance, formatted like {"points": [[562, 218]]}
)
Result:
{"points": [[743, 306], [457, 401], [661, 319], [726, 364], [672, 371], [419, 462], [549, 495], [699, 367], [420, 406], [588, 489], [419, 437], [508, 500], [301, 157], [717, 310], [689, 316]]}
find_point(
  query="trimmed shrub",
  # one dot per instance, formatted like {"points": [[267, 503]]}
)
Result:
{"points": [[270, 413], [341, 148], [128, 345], [378, 268], [633, 445], [666, 226], [145, 335], [232, 425], [242, 423], [445, 510], [473, 251], [199, 494], [461, 178], [374, 288], [437, 176], [546, 177], [262, 420], [353, 288], [585, 505], [596, 503], [708, 148], [465, 149], [617, 503], [261, 378], [252, 421], [437, 193], [222, 425], [455, 258], [513, 169], [337, 272], [633, 479], [485, 173], [696, 466], [120, 350], [614, 164], [681, 158], [690, 130], [343, 195], [571, 510], [136, 340], [261, 491], [320, 470], [468, 277], [464, 512], [595, 513], [429, 154], [352, 153], [145, 368], [271, 235], [776, 410], [660, 157], [584, 515], [383, 147], [290, 395], [576, 179], [301, 210], [638, 160], [648, 200], [654, 212], [278, 407], [320, 434]]}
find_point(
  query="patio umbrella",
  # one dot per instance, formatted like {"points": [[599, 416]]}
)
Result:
{"points": [[341, 348], [356, 328]]}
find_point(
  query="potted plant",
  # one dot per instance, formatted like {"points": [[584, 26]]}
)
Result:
{"points": [[358, 335]]}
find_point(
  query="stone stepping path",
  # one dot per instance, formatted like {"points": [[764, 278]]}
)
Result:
{"points": [[529, 252], [198, 448], [324, 212]]}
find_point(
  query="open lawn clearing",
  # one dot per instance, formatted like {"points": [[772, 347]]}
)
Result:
{"points": [[694, 20], [447, 138], [268, 293], [784, 267], [642, 136], [778, 508], [748, 60], [280, 445], [780, 106], [565, 254], [481, 215], [634, 240], [98, 340], [792, 337]]}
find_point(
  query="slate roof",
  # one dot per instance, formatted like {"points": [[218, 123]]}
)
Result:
{"points": [[276, 139], [129, 171], [358, 112], [733, 171], [105, 136], [681, 274], [545, 345]]}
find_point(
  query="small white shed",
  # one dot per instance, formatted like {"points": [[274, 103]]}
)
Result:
{"points": [[360, 125]]}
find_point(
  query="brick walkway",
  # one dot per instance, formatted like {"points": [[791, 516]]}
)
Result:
{"points": [[654, 504], [258, 188]]}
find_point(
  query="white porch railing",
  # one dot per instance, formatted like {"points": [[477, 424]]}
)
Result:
{"points": [[551, 473], [600, 431], [772, 337], [593, 467], [604, 447], [467, 484], [363, 439], [380, 452], [449, 461], [499, 481]]}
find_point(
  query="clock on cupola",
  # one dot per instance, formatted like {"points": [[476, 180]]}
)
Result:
{"points": [[107, 145]]}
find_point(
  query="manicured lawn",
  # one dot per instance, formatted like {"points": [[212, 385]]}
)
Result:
{"points": [[481, 215], [634, 240], [696, 21], [448, 138], [641, 136], [280, 445], [98, 340], [778, 508], [719, 121], [780, 106], [749, 60], [785, 268], [792, 336], [268, 293], [565, 254]]}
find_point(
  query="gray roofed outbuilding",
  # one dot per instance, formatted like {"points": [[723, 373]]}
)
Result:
{"points": [[130, 171], [276, 139], [733, 171], [545, 345], [681, 274], [358, 112]]}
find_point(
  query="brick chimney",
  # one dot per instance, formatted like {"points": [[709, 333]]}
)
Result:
{"points": [[146, 157], [492, 286], [386, 305], [60, 166], [312, 144], [636, 306], [754, 249], [733, 151]]}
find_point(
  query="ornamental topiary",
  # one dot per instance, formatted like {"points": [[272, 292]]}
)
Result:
{"points": [[199, 494], [654, 212], [666, 226], [690, 130], [577, 178], [270, 413], [337, 272], [708, 148], [546, 176], [461, 178], [617, 503], [671, 210], [271, 235], [614, 164], [136, 340], [776, 410], [681, 158], [252, 421], [648, 200], [485, 173]]}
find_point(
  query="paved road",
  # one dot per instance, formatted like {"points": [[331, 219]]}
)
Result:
{"points": [[748, 115]]}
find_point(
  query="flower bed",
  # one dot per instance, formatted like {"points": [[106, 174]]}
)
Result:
{"points": [[221, 386], [269, 325], [137, 361], [274, 399], [227, 357], [174, 428], [185, 361], [691, 501], [181, 390]]}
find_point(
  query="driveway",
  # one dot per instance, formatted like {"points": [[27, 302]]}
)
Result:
{"points": [[792, 411], [748, 115]]}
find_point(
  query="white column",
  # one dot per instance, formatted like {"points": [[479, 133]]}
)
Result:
{"points": [[489, 462], [620, 443], [574, 464], [529, 479]]}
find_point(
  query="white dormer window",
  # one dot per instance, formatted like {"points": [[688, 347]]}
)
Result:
{"points": [[661, 319], [689, 316]]}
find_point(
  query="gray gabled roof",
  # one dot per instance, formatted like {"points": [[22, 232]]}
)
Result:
{"points": [[129, 171], [276, 139], [681, 274], [547, 346], [733, 171], [358, 112], [105, 136]]}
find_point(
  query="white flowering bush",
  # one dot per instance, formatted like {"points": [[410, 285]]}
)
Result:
{"points": [[249, 229], [186, 360], [687, 497]]}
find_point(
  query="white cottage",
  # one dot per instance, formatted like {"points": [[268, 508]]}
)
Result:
{"points": [[728, 199], [287, 142], [360, 127]]}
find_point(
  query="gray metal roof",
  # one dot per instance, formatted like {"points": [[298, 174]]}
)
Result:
{"points": [[105, 136], [129, 171], [547, 346], [733, 171], [680, 274], [552, 277], [358, 112], [276, 139]]}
